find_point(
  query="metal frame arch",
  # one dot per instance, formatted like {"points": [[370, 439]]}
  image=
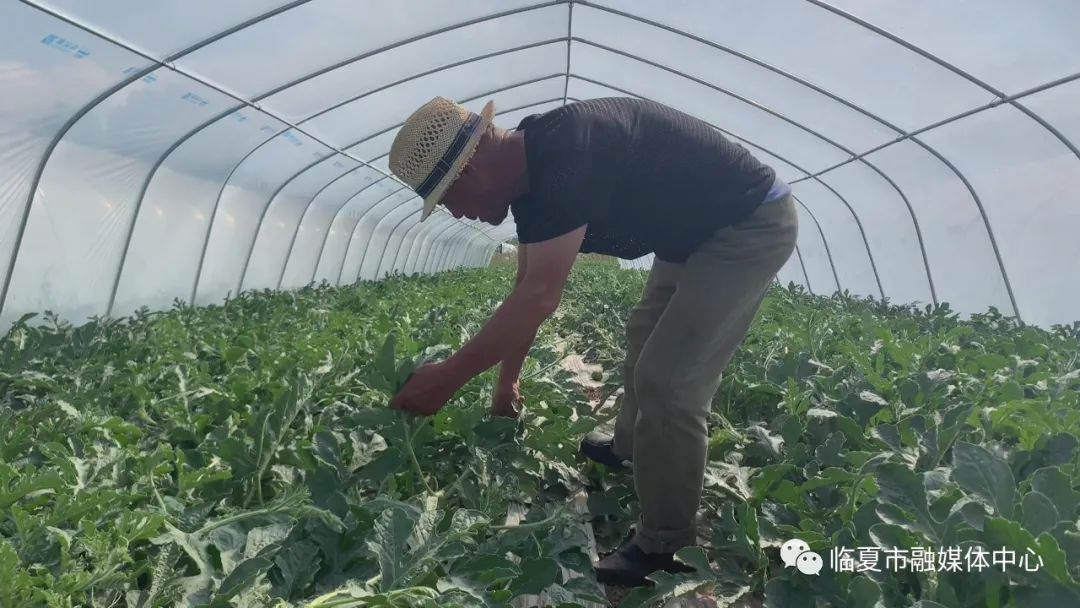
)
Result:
{"points": [[457, 256], [363, 95], [802, 264], [468, 251], [425, 238], [432, 244], [1002, 97], [352, 233], [349, 199], [438, 249], [297, 82], [375, 230], [244, 103], [304, 214], [911, 135], [824, 241], [270, 203], [902, 134], [411, 233], [571, 2], [469, 240], [419, 238], [342, 151], [514, 109], [337, 213], [168, 63], [449, 251], [821, 232], [142, 196], [379, 274], [768, 110]]}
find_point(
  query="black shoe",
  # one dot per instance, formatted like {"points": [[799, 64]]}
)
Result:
{"points": [[597, 448], [629, 565]]}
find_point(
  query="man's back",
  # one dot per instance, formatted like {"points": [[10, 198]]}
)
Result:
{"points": [[645, 177]]}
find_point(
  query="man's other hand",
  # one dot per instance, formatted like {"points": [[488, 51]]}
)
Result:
{"points": [[507, 401], [428, 390]]}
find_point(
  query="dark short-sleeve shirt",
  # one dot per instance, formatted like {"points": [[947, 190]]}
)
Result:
{"points": [[645, 178]]}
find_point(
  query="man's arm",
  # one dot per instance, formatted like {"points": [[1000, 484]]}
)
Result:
{"points": [[513, 327], [511, 366], [523, 264]]}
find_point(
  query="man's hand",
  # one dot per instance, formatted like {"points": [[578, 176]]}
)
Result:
{"points": [[507, 400], [428, 390]]}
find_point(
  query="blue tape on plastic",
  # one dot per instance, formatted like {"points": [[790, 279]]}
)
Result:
{"points": [[239, 117], [65, 46], [292, 138], [194, 99]]}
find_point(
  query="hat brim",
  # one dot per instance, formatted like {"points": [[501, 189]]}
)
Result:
{"points": [[433, 199]]}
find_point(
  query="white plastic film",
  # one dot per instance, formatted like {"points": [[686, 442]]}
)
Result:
{"points": [[1011, 45], [89, 192], [173, 219], [49, 70]]}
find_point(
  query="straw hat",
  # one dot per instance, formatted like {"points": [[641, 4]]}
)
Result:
{"points": [[434, 145]]}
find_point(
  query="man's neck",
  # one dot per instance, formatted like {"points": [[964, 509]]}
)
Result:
{"points": [[513, 153]]}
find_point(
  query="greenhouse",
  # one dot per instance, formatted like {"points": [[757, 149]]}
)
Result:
{"points": [[217, 285]]}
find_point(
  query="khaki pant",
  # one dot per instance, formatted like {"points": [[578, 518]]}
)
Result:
{"points": [[681, 336]]}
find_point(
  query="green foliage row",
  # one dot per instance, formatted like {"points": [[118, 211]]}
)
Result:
{"points": [[243, 454]]}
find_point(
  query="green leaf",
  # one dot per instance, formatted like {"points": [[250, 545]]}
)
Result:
{"points": [[1056, 485], [829, 453], [889, 536], [864, 593], [1047, 594], [585, 588], [327, 449], [767, 477], [386, 360], [537, 574], [298, 564], [783, 593], [766, 442], [1039, 513], [889, 434], [992, 362], [387, 463], [486, 569], [391, 537], [241, 578], [229, 542], [1009, 535], [264, 536], [827, 478], [901, 487], [982, 473]]}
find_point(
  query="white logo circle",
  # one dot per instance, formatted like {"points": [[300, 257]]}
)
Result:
{"points": [[809, 562], [791, 550]]}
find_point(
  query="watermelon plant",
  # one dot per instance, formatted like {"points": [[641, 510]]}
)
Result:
{"points": [[243, 455]]}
